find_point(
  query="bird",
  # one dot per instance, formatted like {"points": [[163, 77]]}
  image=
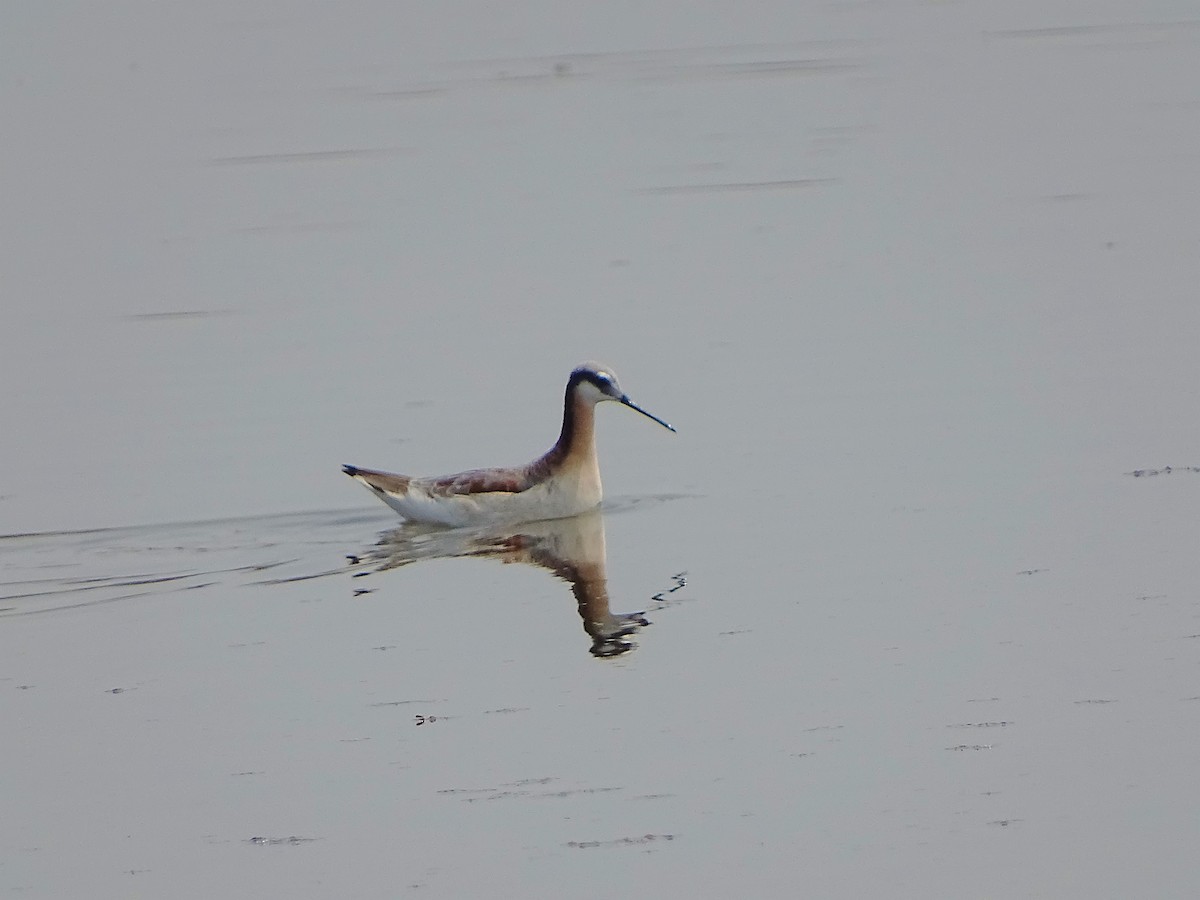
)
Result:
{"points": [[562, 482]]}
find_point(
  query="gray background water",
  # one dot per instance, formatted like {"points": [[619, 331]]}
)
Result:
{"points": [[915, 281]]}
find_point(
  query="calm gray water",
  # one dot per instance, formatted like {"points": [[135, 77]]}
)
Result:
{"points": [[915, 282]]}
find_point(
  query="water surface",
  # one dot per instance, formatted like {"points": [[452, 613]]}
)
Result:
{"points": [[907, 607]]}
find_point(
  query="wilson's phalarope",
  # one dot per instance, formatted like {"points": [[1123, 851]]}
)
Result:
{"points": [[565, 481]]}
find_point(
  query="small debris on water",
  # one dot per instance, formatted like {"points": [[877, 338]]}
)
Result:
{"points": [[291, 840], [621, 842], [1165, 470]]}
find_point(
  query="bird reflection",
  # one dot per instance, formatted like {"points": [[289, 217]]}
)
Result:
{"points": [[573, 549]]}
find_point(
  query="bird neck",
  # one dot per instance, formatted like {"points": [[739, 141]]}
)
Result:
{"points": [[577, 440]]}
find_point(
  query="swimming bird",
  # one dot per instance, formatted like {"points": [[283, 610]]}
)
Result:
{"points": [[564, 481]]}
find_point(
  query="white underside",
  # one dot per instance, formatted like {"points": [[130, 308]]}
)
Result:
{"points": [[552, 499]]}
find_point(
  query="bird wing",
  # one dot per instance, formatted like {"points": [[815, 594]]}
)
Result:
{"points": [[480, 481]]}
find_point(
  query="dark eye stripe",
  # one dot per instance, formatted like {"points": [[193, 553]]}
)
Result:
{"points": [[606, 382]]}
